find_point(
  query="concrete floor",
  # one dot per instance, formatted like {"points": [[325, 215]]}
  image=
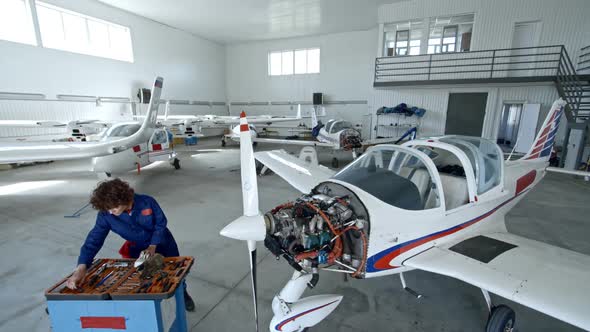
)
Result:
{"points": [[39, 246]]}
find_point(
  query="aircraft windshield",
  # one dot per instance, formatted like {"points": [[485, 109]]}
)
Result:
{"points": [[124, 130], [398, 178], [340, 125]]}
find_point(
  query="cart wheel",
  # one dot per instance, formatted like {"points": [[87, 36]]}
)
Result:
{"points": [[335, 162], [501, 319], [176, 163]]}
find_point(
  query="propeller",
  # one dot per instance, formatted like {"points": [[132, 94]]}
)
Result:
{"points": [[250, 227]]}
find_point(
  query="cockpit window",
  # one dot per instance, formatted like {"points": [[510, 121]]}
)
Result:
{"points": [[124, 130], [329, 125], [340, 125], [398, 178]]}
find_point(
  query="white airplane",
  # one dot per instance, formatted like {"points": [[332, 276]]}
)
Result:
{"points": [[192, 125], [435, 204], [336, 134], [123, 147], [76, 130]]}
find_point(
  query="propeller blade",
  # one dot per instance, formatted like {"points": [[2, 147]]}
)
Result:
{"points": [[247, 228], [252, 248], [248, 169]]}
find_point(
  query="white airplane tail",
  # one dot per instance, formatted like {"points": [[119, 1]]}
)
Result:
{"points": [[541, 148], [314, 117], [151, 117]]}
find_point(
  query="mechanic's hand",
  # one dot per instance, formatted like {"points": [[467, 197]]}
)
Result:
{"points": [[77, 277], [151, 250]]}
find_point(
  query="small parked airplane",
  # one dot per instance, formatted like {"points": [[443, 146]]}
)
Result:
{"points": [[435, 204], [123, 147], [336, 134], [76, 130]]}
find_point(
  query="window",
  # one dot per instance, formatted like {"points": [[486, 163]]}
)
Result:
{"points": [[450, 34], [305, 61], [403, 38], [16, 23], [69, 31]]}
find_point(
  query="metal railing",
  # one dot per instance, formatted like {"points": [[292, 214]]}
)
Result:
{"points": [[524, 64], [584, 59], [536, 63]]}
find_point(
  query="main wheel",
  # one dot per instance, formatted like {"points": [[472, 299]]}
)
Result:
{"points": [[223, 143], [501, 319], [335, 162], [176, 163]]}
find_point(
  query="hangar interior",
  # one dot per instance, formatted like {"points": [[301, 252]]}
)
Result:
{"points": [[82, 72]]}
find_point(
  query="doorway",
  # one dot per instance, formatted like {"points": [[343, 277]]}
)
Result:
{"points": [[526, 34], [518, 126], [465, 113]]}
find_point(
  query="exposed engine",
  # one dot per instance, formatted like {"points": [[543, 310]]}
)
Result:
{"points": [[350, 139], [320, 229]]}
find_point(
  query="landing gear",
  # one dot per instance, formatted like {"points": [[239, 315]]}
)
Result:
{"points": [[176, 163], [501, 319], [107, 174], [223, 142], [335, 162]]}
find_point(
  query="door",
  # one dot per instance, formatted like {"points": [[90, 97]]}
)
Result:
{"points": [[526, 34], [159, 146], [465, 114], [527, 128]]}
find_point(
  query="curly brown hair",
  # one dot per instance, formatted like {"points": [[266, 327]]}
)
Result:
{"points": [[111, 194]]}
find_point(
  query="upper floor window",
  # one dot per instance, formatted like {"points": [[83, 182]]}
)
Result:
{"points": [[70, 31], [450, 34], [304, 61], [403, 38], [16, 23]]}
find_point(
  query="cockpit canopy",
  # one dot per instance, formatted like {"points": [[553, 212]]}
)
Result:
{"points": [[334, 126], [396, 176], [123, 130]]}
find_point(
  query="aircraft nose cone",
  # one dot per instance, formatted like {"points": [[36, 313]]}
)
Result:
{"points": [[247, 228]]}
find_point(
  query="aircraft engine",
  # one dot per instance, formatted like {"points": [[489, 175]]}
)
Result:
{"points": [[322, 230], [350, 139]]}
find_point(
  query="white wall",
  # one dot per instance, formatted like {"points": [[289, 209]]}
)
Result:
{"points": [[193, 68], [346, 73]]}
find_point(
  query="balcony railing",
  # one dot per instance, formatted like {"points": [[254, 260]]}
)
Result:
{"points": [[584, 60], [502, 65]]}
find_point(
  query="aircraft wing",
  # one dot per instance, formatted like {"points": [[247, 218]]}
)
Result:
{"points": [[32, 124], [302, 175], [27, 152], [549, 279], [293, 142]]}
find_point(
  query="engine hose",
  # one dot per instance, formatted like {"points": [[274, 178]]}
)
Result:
{"points": [[282, 206], [365, 249]]}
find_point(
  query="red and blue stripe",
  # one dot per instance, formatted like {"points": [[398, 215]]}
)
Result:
{"points": [[279, 326], [380, 261], [543, 145]]}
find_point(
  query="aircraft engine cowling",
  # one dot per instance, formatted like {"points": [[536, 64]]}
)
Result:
{"points": [[320, 229], [350, 139]]}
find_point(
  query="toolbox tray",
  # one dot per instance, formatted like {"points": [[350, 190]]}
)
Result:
{"points": [[123, 275]]}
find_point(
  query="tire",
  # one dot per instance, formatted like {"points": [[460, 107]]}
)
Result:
{"points": [[223, 143], [176, 163], [108, 175], [335, 162], [501, 319]]}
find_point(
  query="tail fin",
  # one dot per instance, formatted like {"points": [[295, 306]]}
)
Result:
{"points": [[541, 148], [151, 116], [314, 117]]}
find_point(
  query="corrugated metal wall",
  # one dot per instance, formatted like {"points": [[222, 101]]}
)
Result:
{"points": [[435, 101]]}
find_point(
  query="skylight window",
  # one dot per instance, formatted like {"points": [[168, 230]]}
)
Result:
{"points": [[16, 23], [70, 31]]}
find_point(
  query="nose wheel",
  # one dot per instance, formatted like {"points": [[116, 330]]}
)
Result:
{"points": [[501, 319]]}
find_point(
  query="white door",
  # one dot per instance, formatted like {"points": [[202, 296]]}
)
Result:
{"points": [[526, 34], [527, 128]]}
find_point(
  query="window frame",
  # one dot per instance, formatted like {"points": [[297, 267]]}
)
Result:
{"points": [[33, 41], [293, 54], [88, 48]]}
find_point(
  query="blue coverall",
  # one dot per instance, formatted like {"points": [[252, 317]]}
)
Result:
{"points": [[144, 225]]}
